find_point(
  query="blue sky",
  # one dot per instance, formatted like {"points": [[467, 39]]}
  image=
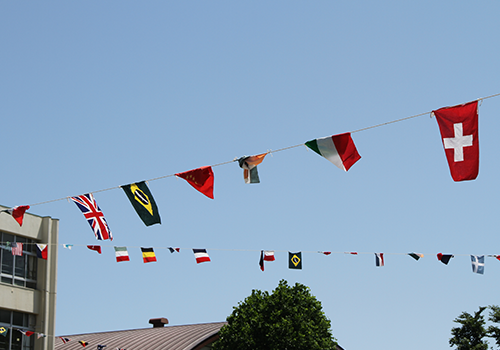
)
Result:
{"points": [[94, 95]]}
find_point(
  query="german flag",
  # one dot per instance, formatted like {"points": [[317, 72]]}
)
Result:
{"points": [[148, 255], [84, 343]]}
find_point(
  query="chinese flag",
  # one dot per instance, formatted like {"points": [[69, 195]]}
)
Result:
{"points": [[202, 179]]}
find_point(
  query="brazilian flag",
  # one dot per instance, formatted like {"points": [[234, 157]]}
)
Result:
{"points": [[143, 202], [295, 260], [3, 331]]}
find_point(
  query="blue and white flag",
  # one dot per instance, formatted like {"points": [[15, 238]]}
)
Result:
{"points": [[477, 263]]}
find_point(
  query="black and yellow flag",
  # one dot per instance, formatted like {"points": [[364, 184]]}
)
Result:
{"points": [[295, 260], [143, 202]]}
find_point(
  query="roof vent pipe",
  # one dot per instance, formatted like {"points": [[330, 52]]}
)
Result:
{"points": [[158, 322]]}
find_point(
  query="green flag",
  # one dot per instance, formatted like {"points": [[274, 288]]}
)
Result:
{"points": [[295, 260], [143, 202]]}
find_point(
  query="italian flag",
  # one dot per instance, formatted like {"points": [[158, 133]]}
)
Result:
{"points": [[338, 149], [121, 254]]}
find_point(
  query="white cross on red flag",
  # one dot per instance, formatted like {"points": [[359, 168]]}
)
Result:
{"points": [[459, 131]]}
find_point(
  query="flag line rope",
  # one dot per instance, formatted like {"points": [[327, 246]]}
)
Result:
{"points": [[270, 151]]}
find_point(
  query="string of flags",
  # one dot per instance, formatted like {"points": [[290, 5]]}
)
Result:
{"points": [[458, 126], [5, 330], [201, 255]]}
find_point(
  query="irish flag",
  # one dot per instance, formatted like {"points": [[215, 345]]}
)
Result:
{"points": [[338, 149]]}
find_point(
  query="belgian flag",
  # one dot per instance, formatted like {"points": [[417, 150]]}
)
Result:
{"points": [[143, 202], [148, 255]]}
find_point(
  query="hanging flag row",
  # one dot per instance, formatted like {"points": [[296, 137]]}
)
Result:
{"points": [[458, 126], [5, 330], [294, 258]]}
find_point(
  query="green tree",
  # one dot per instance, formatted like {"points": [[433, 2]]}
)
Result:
{"points": [[290, 318], [470, 335], [494, 331]]}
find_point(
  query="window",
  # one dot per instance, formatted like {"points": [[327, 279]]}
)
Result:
{"points": [[15, 269], [15, 340]]}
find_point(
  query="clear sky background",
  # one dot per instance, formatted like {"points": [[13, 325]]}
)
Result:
{"points": [[97, 94]]}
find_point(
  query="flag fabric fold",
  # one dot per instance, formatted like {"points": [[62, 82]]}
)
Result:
{"points": [[265, 255], [477, 263], [87, 204], [458, 126], [379, 259], [201, 255], [83, 343], [121, 254], [17, 213], [173, 250], [41, 251], [416, 256], [338, 149], [148, 255], [249, 166], [143, 202], [65, 340], [444, 258], [201, 179], [295, 260], [96, 248]]}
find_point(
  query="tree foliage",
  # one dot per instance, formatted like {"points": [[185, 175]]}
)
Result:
{"points": [[470, 335], [290, 318]]}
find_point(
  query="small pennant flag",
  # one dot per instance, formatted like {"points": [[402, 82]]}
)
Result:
{"points": [[416, 256], [40, 335], [265, 255], [100, 347], [201, 255], [326, 253], [477, 263], [352, 253], [96, 248], [143, 202], [3, 331], [295, 260], [121, 254], [17, 213], [338, 149], [41, 251], [202, 179], [379, 259], [17, 249], [444, 258], [65, 340], [458, 126], [173, 250], [148, 255], [67, 246], [26, 333], [84, 343], [249, 166]]}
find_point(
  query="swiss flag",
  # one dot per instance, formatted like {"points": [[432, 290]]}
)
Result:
{"points": [[459, 132]]}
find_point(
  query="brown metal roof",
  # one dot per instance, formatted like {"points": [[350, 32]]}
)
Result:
{"points": [[186, 337]]}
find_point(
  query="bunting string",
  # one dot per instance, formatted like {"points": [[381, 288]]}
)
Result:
{"points": [[270, 152]]}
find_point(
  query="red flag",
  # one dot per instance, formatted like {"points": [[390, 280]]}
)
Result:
{"points": [[17, 213], [459, 130], [202, 179], [97, 248]]}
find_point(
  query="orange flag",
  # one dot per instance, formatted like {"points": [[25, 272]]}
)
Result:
{"points": [[202, 179]]}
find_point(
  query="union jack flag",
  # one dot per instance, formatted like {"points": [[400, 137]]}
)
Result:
{"points": [[94, 215]]}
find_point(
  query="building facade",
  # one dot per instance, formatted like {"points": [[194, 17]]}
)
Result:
{"points": [[28, 283]]}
